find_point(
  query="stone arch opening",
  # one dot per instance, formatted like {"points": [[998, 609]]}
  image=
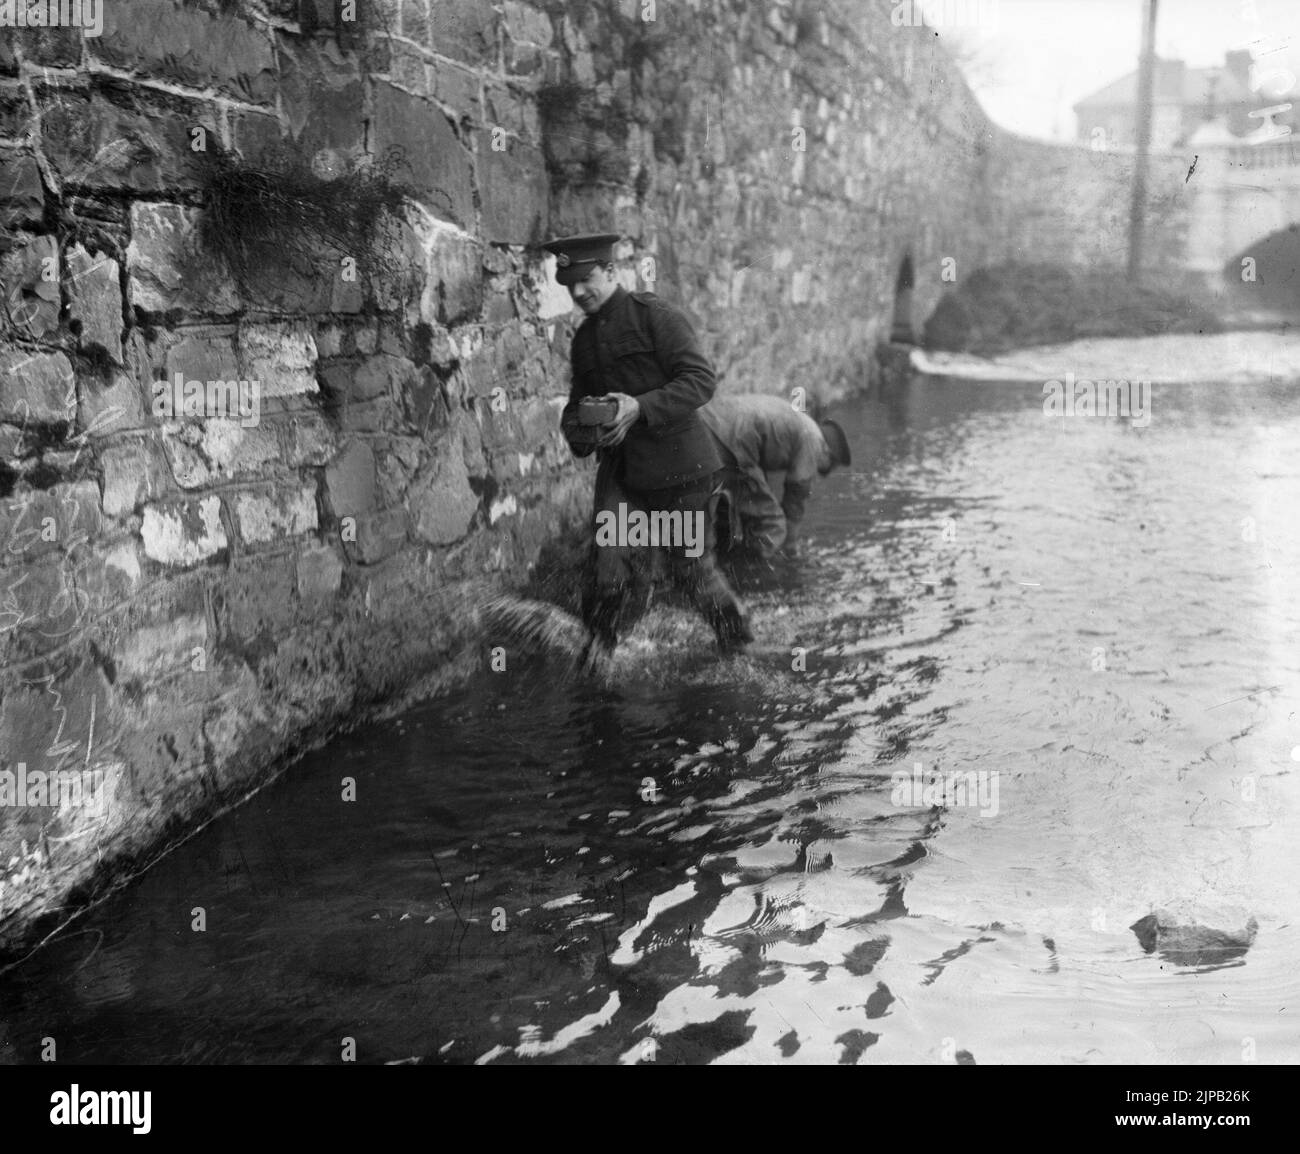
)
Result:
{"points": [[1273, 276], [901, 330]]}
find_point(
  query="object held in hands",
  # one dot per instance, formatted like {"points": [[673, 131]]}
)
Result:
{"points": [[594, 411]]}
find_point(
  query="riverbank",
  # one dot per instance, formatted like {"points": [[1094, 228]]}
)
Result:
{"points": [[1021, 305]]}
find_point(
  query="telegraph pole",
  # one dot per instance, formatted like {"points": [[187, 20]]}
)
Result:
{"points": [[1145, 102]]}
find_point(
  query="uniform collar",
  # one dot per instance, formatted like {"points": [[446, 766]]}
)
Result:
{"points": [[615, 298]]}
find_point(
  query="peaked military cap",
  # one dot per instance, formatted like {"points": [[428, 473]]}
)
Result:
{"points": [[574, 255]]}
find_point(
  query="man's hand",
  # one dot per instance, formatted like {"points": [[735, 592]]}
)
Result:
{"points": [[629, 410]]}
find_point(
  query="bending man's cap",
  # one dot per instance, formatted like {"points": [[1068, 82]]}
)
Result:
{"points": [[574, 255], [836, 441]]}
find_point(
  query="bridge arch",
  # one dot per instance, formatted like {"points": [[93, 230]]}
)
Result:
{"points": [[1275, 269], [902, 329]]}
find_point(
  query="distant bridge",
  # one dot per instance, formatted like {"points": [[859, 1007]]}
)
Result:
{"points": [[1239, 195]]}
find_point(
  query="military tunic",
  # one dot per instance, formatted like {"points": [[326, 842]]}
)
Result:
{"points": [[640, 345]]}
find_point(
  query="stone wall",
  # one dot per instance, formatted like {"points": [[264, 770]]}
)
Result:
{"points": [[188, 600]]}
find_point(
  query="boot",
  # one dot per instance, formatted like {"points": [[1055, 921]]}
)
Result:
{"points": [[732, 631]]}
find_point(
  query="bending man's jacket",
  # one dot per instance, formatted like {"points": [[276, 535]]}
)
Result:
{"points": [[640, 345], [759, 435]]}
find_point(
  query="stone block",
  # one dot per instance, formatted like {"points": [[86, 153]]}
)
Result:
{"points": [[514, 112], [235, 450], [319, 575], [29, 282], [465, 30], [425, 403], [166, 268], [453, 290], [22, 195], [202, 356], [191, 46], [219, 450], [381, 375], [443, 505], [12, 443], [525, 24], [539, 423], [39, 609], [256, 136], [471, 444], [432, 160], [111, 576], [379, 535], [322, 97], [77, 518], [28, 526], [133, 473], [150, 653], [58, 704], [415, 20], [306, 439], [350, 481], [409, 68], [258, 599], [95, 301], [52, 47], [282, 357], [514, 191], [499, 308], [459, 89], [36, 389], [314, 15], [182, 532], [123, 138], [272, 515], [377, 416]]}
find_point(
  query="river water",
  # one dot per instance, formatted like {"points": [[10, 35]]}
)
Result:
{"points": [[713, 861]]}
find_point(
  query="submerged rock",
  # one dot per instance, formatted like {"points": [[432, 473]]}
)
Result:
{"points": [[1186, 943]]}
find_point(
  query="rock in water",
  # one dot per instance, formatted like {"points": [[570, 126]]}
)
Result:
{"points": [[1187, 944]]}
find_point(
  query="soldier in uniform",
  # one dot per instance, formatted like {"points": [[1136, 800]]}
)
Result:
{"points": [[641, 353], [758, 435]]}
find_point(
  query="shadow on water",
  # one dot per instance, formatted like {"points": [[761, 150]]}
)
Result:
{"points": [[703, 860]]}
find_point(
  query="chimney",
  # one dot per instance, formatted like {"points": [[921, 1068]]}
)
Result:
{"points": [[1238, 64], [1169, 81]]}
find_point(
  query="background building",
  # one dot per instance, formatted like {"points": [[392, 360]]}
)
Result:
{"points": [[1189, 103]]}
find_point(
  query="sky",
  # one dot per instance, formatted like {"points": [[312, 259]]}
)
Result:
{"points": [[1040, 56]]}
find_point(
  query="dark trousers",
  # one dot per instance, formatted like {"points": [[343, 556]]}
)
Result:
{"points": [[617, 586]]}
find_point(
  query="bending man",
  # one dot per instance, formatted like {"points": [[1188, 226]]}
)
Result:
{"points": [[757, 435]]}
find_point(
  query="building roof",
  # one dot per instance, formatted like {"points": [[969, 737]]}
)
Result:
{"points": [[1175, 83], [1212, 132]]}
